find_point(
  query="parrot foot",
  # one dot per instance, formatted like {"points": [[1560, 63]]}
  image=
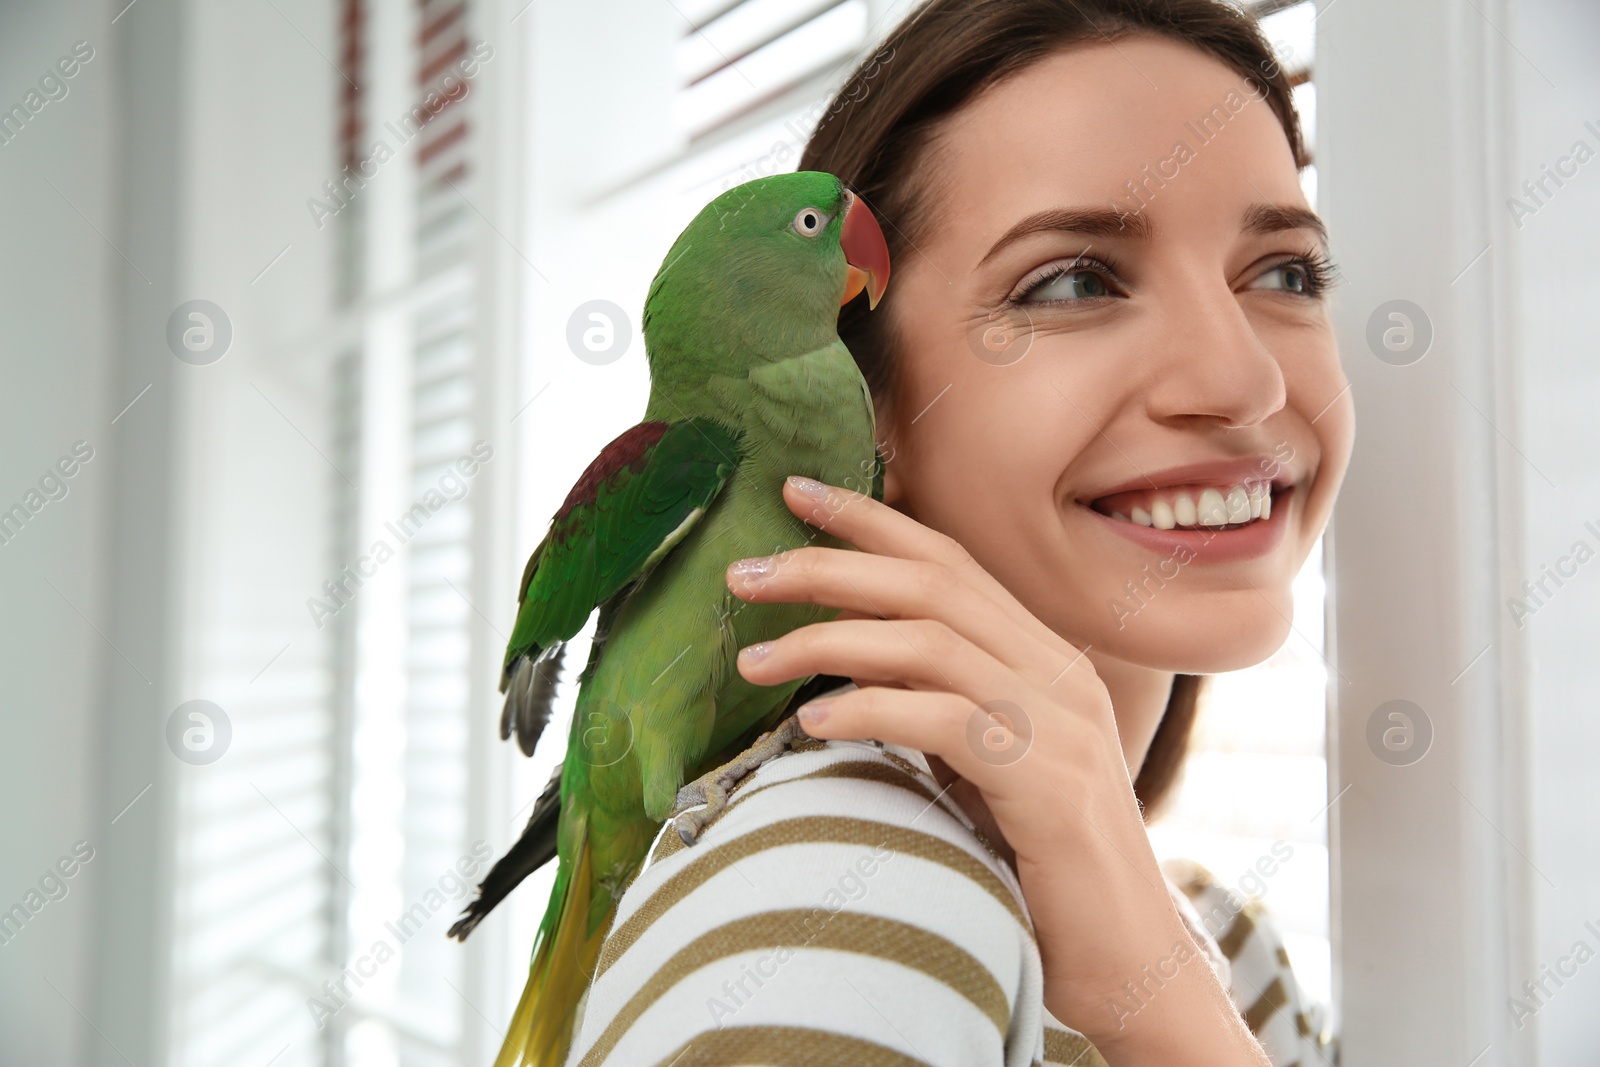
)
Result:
{"points": [[713, 788]]}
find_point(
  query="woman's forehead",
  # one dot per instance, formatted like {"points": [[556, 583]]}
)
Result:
{"points": [[1126, 123]]}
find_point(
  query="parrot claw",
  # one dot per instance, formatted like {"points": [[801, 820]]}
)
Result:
{"points": [[713, 788]]}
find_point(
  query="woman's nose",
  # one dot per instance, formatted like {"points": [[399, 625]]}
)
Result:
{"points": [[1211, 363]]}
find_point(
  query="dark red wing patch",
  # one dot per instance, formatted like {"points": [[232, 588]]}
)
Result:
{"points": [[626, 450]]}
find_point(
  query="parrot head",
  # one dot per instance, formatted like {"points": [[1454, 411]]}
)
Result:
{"points": [[760, 275]]}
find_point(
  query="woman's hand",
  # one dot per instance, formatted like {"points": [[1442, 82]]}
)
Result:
{"points": [[950, 663]]}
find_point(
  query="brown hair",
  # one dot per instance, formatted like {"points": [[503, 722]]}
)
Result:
{"points": [[877, 129]]}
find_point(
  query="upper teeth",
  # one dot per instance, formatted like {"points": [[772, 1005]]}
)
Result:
{"points": [[1213, 507]]}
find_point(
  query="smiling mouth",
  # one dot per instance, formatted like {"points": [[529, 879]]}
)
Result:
{"points": [[1198, 506]]}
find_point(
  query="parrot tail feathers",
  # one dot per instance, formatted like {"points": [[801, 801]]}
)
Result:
{"points": [[535, 848], [564, 958], [529, 684]]}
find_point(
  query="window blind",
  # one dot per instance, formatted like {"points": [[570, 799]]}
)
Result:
{"points": [[735, 57]]}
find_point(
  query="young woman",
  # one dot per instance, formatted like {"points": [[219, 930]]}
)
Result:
{"points": [[1116, 424]]}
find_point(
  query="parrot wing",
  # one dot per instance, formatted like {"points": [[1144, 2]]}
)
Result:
{"points": [[640, 497]]}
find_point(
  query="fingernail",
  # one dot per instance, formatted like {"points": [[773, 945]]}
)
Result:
{"points": [[755, 652], [814, 712], [754, 567], [809, 486]]}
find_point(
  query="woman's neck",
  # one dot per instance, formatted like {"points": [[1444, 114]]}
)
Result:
{"points": [[1138, 700]]}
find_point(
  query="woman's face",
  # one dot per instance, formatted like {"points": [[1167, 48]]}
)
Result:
{"points": [[1175, 326]]}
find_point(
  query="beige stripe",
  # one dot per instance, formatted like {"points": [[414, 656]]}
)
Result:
{"points": [[1264, 1009], [1239, 931], [812, 829], [1073, 1050], [1199, 880], [783, 1046], [801, 928], [900, 761], [670, 843], [860, 770], [950, 806]]}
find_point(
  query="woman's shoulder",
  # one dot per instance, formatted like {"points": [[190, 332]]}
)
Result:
{"points": [[840, 899], [850, 793]]}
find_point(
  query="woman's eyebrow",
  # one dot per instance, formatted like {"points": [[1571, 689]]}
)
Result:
{"points": [[1274, 218], [1092, 222], [1258, 219]]}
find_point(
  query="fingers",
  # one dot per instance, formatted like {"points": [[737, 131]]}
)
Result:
{"points": [[978, 740], [917, 653], [869, 586], [879, 529], [868, 524]]}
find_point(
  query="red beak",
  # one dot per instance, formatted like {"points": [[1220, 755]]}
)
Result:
{"points": [[865, 251]]}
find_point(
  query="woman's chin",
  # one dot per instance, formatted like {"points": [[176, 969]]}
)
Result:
{"points": [[1205, 640]]}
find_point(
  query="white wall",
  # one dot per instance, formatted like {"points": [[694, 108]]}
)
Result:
{"points": [[58, 285], [1558, 350], [182, 554], [1457, 876]]}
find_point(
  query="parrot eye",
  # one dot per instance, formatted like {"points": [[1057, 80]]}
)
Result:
{"points": [[808, 222]]}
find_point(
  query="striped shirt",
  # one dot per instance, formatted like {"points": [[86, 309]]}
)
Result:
{"points": [[841, 910]]}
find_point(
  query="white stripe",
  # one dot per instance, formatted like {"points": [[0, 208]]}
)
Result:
{"points": [[845, 993], [824, 881]]}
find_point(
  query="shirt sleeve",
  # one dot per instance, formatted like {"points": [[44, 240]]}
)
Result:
{"points": [[1293, 1029], [840, 910]]}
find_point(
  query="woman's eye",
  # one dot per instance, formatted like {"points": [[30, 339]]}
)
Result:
{"points": [[808, 222], [1070, 284], [1289, 277]]}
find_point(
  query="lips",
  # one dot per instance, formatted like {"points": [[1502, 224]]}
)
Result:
{"points": [[1221, 474], [1191, 505], [1125, 509], [1216, 544]]}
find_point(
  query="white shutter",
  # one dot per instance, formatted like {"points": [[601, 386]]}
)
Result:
{"points": [[316, 865], [736, 56], [380, 782], [425, 1017]]}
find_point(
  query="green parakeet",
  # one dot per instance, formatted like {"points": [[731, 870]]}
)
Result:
{"points": [[749, 383]]}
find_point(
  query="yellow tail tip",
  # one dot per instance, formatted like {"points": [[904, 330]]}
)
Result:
{"points": [[541, 1028]]}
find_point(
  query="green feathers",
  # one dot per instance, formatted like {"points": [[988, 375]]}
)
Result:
{"points": [[638, 499], [749, 383], [743, 286]]}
